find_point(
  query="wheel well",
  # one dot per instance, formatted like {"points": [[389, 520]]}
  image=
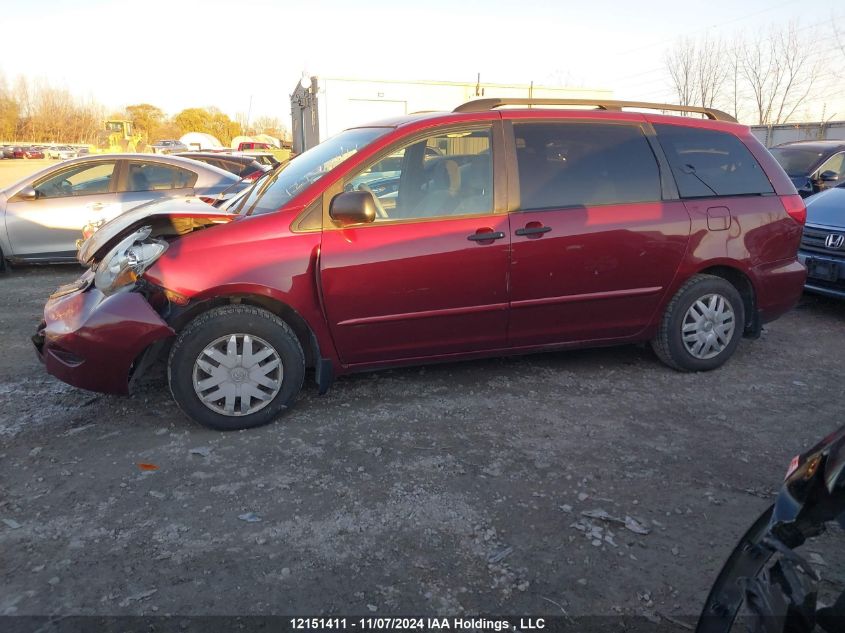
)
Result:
{"points": [[743, 285], [285, 312]]}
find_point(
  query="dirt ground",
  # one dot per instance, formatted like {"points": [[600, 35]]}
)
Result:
{"points": [[449, 489], [445, 490]]}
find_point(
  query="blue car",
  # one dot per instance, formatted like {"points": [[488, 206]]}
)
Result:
{"points": [[822, 248]]}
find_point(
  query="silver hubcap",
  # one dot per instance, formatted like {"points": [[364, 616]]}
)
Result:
{"points": [[708, 326], [237, 374]]}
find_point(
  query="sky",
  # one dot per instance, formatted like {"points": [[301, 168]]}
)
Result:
{"points": [[247, 55]]}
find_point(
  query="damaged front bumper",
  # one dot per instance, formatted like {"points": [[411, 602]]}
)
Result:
{"points": [[94, 341]]}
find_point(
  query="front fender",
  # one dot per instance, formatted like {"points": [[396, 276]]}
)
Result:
{"points": [[257, 257]]}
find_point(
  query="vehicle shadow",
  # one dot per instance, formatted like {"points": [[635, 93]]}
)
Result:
{"points": [[823, 306]]}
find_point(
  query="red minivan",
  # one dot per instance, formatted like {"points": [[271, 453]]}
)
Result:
{"points": [[485, 231]]}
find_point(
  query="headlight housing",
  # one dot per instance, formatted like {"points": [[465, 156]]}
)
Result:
{"points": [[126, 261]]}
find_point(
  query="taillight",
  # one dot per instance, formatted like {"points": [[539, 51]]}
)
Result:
{"points": [[795, 207]]}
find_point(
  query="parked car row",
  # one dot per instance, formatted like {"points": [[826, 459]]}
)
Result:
{"points": [[61, 152], [18, 151]]}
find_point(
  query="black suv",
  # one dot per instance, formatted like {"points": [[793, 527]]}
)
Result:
{"points": [[813, 166]]}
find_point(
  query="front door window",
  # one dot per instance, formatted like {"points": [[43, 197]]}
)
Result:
{"points": [[82, 180], [445, 175]]}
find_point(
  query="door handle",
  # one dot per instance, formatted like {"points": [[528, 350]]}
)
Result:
{"points": [[487, 236], [533, 230], [96, 206]]}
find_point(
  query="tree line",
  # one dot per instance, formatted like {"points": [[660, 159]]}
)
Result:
{"points": [[34, 111], [767, 78]]}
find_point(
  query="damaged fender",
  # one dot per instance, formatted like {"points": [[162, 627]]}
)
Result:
{"points": [[91, 341]]}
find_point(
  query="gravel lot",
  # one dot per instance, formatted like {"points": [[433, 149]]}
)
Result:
{"points": [[441, 490], [449, 489]]}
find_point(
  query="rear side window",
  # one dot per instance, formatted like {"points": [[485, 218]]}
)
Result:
{"points": [[158, 177], [711, 163], [584, 164]]}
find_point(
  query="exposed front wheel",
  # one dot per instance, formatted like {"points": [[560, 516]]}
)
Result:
{"points": [[235, 367], [702, 325]]}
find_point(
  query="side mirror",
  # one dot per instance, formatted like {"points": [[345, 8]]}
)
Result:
{"points": [[353, 207], [829, 176], [27, 193]]}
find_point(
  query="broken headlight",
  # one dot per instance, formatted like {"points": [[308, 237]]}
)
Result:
{"points": [[126, 261]]}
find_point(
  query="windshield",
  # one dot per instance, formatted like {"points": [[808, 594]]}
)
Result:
{"points": [[273, 192], [796, 162]]}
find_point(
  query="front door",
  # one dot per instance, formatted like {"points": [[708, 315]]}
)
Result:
{"points": [[50, 225], [429, 277], [594, 248]]}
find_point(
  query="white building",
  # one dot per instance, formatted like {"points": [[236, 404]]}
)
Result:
{"points": [[327, 105], [201, 140]]}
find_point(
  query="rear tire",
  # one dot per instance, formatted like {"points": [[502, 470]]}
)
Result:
{"points": [[702, 325], [235, 367]]}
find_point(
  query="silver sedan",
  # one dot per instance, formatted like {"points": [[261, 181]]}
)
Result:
{"points": [[62, 152], [44, 213]]}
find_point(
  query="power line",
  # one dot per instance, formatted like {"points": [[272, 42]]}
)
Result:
{"points": [[712, 26]]}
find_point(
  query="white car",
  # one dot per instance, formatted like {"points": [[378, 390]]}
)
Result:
{"points": [[62, 152]]}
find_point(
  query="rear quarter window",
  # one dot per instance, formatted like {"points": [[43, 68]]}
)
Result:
{"points": [[711, 163]]}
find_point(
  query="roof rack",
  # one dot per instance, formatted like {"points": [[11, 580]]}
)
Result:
{"points": [[482, 105]]}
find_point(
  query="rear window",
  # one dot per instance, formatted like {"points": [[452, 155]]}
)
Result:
{"points": [[711, 163]]}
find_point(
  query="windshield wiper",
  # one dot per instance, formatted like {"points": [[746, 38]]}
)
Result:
{"points": [[689, 169]]}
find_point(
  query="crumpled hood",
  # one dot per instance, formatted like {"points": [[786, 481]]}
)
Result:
{"points": [[169, 217], [827, 208]]}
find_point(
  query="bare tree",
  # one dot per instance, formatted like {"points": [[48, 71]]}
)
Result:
{"points": [[710, 72], [698, 70], [270, 125], [681, 64], [779, 69]]}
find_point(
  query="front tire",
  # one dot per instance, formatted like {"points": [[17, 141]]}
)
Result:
{"points": [[235, 367], [701, 326]]}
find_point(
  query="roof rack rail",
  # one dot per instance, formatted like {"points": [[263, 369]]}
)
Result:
{"points": [[482, 105]]}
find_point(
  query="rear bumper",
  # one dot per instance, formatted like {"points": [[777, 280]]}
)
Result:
{"points": [[826, 274], [779, 287], [91, 341]]}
